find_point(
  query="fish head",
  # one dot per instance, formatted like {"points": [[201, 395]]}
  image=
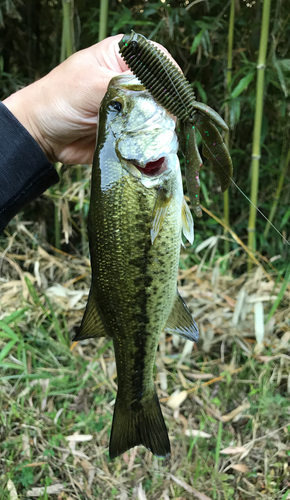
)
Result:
{"points": [[143, 132]]}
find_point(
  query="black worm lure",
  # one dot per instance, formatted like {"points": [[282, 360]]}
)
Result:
{"points": [[171, 89]]}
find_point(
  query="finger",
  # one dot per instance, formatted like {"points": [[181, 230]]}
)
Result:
{"points": [[108, 56]]}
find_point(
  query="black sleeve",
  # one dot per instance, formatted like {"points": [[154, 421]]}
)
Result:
{"points": [[25, 172]]}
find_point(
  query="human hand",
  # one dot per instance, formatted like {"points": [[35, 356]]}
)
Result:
{"points": [[60, 110]]}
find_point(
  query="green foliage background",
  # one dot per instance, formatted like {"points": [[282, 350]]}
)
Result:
{"points": [[195, 33]]}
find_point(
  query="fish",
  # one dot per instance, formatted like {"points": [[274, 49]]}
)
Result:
{"points": [[136, 217]]}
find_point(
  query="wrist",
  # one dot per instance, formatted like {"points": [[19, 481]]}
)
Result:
{"points": [[23, 105]]}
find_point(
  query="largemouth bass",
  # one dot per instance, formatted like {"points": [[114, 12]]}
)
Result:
{"points": [[136, 216]]}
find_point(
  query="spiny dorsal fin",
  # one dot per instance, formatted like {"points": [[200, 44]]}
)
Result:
{"points": [[92, 324], [187, 222], [180, 321], [162, 203]]}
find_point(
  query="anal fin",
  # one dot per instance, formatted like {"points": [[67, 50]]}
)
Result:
{"points": [[180, 321], [92, 324]]}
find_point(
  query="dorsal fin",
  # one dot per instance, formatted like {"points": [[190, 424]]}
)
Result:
{"points": [[180, 321], [92, 324]]}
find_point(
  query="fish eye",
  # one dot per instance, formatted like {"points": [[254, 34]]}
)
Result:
{"points": [[116, 105]]}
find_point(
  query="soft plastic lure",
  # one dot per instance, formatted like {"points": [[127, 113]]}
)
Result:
{"points": [[172, 90]]}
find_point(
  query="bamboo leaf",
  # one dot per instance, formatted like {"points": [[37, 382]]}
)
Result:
{"points": [[197, 40], [7, 348], [7, 332], [32, 291], [285, 218], [15, 315], [280, 294], [281, 75], [242, 85], [201, 91], [235, 112]]}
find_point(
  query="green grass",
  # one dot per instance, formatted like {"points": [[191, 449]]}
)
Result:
{"points": [[48, 392]]}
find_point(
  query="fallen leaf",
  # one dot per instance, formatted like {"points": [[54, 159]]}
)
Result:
{"points": [[200, 376], [235, 412], [89, 470], [176, 399], [12, 489], [138, 490], [79, 438], [187, 487], [25, 445], [195, 432], [233, 450], [240, 468], [231, 302], [51, 490], [79, 454], [167, 360], [267, 359]]}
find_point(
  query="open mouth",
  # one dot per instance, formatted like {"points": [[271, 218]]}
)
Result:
{"points": [[152, 168]]}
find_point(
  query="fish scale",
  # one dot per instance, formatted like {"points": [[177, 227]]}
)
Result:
{"points": [[135, 224]]}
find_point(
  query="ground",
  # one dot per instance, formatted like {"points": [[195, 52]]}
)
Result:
{"points": [[225, 400]]}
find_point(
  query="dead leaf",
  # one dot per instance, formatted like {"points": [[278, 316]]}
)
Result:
{"points": [[195, 432], [176, 399], [233, 450], [267, 359], [200, 376], [138, 490], [182, 379], [230, 301], [79, 438], [12, 489], [89, 470], [187, 487], [51, 490], [167, 360], [240, 468], [235, 412], [26, 445]]}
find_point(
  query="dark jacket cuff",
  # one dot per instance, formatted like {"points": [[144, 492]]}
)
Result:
{"points": [[25, 172]]}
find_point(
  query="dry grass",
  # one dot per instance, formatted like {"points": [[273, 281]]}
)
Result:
{"points": [[225, 401]]}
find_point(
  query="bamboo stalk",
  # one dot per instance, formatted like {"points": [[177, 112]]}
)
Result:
{"points": [[57, 228], [227, 112], [67, 49], [256, 148], [103, 19], [285, 165], [68, 36]]}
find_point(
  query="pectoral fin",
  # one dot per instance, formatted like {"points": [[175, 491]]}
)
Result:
{"points": [[162, 203], [92, 324], [187, 222], [180, 321]]}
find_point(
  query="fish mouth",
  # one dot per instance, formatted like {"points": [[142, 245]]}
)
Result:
{"points": [[152, 168]]}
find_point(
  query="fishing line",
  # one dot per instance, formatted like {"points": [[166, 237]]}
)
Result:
{"points": [[233, 182], [250, 201]]}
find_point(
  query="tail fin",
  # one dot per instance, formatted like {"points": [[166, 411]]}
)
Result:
{"points": [[145, 426]]}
